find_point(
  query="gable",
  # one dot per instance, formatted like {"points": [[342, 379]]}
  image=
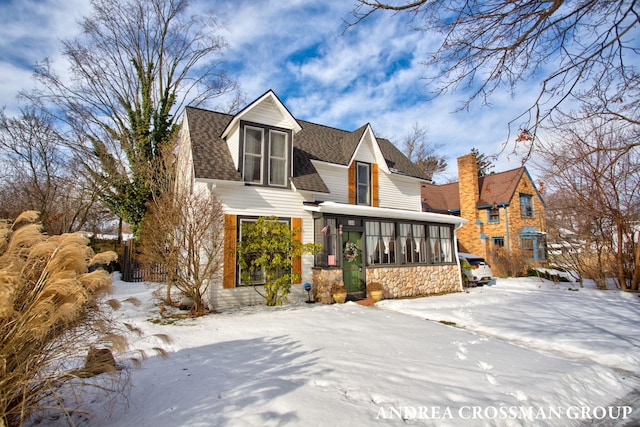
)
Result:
{"points": [[267, 109], [499, 188]]}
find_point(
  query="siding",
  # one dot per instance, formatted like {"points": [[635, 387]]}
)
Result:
{"points": [[267, 113], [238, 201], [184, 163], [335, 177], [233, 142], [364, 152], [399, 192]]}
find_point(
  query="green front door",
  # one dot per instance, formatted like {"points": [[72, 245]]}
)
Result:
{"points": [[352, 273]]}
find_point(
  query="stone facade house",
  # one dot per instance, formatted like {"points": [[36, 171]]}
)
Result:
{"points": [[504, 210], [353, 193]]}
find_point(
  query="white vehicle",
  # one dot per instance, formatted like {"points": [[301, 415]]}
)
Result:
{"points": [[475, 271]]}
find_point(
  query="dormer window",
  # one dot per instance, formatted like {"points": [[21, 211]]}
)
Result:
{"points": [[278, 158], [253, 142], [265, 155]]}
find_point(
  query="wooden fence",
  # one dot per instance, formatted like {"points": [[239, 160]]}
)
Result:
{"points": [[133, 271]]}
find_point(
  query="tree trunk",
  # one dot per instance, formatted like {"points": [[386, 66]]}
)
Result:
{"points": [[635, 279], [620, 257]]}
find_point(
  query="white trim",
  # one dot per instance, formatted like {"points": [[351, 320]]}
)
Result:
{"points": [[359, 210], [295, 126], [322, 162]]}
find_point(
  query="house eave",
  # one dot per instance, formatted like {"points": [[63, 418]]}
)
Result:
{"points": [[376, 212]]}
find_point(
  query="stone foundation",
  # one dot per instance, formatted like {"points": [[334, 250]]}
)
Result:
{"points": [[322, 279], [398, 282], [415, 281]]}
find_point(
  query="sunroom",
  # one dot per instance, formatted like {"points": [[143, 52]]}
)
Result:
{"points": [[409, 253]]}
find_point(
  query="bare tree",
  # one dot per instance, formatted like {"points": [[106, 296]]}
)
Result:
{"points": [[487, 45], [598, 182], [423, 152], [183, 231], [137, 64], [40, 174]]}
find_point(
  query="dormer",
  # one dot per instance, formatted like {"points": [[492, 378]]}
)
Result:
{"points": [[260, 140], [363, 167]]}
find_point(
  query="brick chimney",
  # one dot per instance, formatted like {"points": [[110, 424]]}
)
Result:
{"points": [[469, 234], [469, 190]]}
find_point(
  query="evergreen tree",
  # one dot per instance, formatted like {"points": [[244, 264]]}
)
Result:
{"points": [[485, 166]]}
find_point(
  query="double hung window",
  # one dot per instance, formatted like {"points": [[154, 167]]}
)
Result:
{"points": [[526, 205], [363, 184], [265, 155]]}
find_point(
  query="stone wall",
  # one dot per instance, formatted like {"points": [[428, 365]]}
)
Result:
{"points": [[322, 279], [398, 282], [414, 281]]}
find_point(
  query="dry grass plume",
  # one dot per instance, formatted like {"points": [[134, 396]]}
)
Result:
{"points": [[50, 314]]}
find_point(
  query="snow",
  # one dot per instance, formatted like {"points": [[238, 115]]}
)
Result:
{"points": [[522, 352]]}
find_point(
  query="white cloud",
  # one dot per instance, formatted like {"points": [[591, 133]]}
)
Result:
{"points": [[371, 73]]}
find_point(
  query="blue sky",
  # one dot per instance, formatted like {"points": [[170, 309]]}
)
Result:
{"points": [[372, 73]]}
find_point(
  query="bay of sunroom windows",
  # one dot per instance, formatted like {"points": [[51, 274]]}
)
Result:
{"points": [[388, 243]]}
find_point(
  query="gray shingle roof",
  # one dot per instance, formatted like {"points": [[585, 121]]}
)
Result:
{"points": [[212, 159]]}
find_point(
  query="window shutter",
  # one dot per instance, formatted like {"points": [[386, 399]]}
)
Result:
{"points": [[352, 183], [296, 263], [229, 256], [374, 185]]}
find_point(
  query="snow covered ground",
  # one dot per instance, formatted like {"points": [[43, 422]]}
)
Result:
{"points": [[523, 352]]}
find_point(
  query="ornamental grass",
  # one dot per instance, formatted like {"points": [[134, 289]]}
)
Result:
{"points": [[51, 313]]}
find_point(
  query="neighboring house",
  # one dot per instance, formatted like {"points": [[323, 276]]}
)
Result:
{"points": [[504, 210], [342, 189]]}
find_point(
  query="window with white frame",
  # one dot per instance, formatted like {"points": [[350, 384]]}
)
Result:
{"points": [[363, 184], [252, 160], [265, 154], [277, 158]]}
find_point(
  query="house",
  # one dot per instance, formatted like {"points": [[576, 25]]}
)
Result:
{"points": [[504, 210], [341, 189]]}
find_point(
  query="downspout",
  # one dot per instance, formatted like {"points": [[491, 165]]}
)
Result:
{"points": [[455, 235], [506, 220]]}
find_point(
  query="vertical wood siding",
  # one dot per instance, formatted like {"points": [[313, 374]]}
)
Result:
{"points": [[296, 268], [229, 256]]}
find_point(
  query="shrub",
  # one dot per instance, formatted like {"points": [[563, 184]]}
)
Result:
{"points": [[268, 248], [183, 232], [50, 314]]}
